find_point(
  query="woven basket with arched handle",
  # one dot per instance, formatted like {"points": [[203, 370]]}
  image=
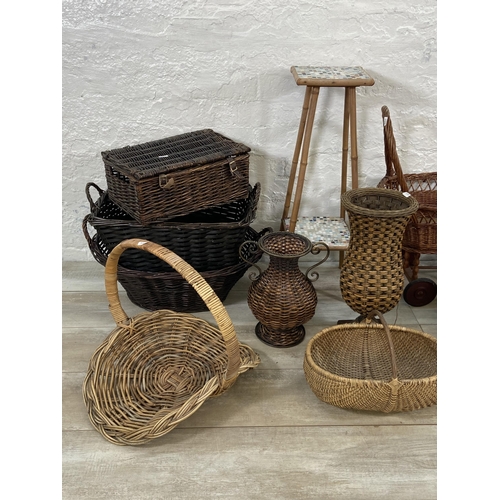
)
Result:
{"points": [[372, 366], [155, 369], [421, 232]]}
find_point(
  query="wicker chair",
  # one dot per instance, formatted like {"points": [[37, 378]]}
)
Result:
{"points": [[421, 233]]}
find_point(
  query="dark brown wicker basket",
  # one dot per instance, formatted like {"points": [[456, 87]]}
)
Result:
{"points": [[162, 179], [208, 239], [421, 233], [168, 290]]}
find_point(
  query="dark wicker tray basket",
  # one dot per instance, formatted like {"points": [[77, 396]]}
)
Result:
{"points": [[162, 179], [168, 290], [208, 239]]}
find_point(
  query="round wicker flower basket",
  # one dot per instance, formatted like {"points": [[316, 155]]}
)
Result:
{"points": [[371, 366], [156, 369]]}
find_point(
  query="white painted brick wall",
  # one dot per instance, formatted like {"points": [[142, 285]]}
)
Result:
{"points": [[144, 70]]}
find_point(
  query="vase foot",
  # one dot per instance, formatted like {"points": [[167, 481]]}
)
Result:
{"points": [[280, 338]]}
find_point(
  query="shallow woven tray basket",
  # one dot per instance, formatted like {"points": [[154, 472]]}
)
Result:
{"points": [[208, 239], [156, 369], [371, 366]]}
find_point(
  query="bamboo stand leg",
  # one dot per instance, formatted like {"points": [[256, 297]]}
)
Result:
{"points": [[345, 151], [354, 138], [296, 154], [303, 159]]}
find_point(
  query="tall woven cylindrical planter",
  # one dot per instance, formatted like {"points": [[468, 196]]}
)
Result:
{"points": [[372, 275]]}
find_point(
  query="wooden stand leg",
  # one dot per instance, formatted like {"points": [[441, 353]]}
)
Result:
{"points": [[345, 150], [296, 154], [304, 157], [350, 126], [354, 137]]}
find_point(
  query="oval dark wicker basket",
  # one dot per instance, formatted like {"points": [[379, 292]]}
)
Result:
{"points": [[168, 290], [208, 239]]}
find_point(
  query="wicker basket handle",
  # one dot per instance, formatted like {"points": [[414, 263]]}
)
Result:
{"points": [[210, 298], [370, 316], [86, 230], [315, 251], [254, 245], [254, 200], [391, 155], [87, 192]]}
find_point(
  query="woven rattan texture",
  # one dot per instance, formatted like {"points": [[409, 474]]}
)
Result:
{"points": [[168, 290], [155, 370], [421, 233], [174, 153], [282, 298], [207, 239], [372, 275], [350, 366], [160, 180], [280, 338]]}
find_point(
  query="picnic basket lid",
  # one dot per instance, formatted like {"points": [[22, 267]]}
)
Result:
{"points": [[174, 153]]}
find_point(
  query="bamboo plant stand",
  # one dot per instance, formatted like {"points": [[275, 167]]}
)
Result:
{"points": [[332, 230]]}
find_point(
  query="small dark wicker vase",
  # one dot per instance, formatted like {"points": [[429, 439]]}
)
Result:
{"points": [[283, 298], [372, 275]]}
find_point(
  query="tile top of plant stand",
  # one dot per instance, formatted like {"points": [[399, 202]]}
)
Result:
{"points": [[331, 230], [331, 76]]}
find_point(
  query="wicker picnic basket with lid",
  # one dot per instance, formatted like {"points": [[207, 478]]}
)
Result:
{"points": [[421, 232], [373, 366], [168, 289], [156, 369], [162, 179], [207, 239]]}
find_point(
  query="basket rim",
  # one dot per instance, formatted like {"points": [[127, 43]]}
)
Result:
{"points": [[262, 243], [333, 376], [101, 258], [96, 221], [411, 202]]}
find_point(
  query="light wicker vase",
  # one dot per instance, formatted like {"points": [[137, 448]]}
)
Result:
{"points": [[372, 275], [282, 297]]}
